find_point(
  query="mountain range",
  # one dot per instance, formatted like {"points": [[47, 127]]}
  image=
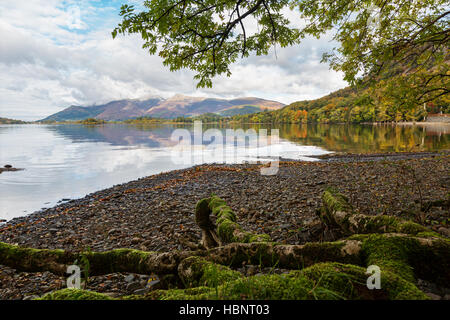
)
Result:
{"points": [[176, 106]]}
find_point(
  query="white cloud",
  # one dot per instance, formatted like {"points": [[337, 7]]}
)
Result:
{"points": [[57, 53]]}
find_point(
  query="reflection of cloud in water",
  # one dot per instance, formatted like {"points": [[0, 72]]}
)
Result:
{"points": [[69, 161], [114, 159]]}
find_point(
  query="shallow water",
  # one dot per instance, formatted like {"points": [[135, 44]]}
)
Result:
{"points": [[70, 161]]}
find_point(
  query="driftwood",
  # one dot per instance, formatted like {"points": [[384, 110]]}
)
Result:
{"points": [[403, 250]]}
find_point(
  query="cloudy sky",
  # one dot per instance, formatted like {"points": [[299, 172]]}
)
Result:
{"points": [[56, 53]]}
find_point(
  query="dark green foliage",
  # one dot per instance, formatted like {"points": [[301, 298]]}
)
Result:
{"points": [[399, 48]]}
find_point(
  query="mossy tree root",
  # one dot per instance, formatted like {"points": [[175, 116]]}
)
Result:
{"points": [[408, 256], [227, 229], [128, 260], [118, 260], [337, 211], [328, 270], [324, 281]]}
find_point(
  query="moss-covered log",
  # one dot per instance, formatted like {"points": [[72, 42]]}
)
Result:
{"points": [[74, 294], [337, 211], [119, 260], [324, 281], [210, 239], [228, 230], [127, 260], [404, 255], [197, 271], [325, 270], [286, 256], [407, 256]]}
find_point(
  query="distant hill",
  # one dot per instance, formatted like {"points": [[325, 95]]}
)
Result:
{"points": [[177, 106], [114, 110], [239, 110], [11, 121]]}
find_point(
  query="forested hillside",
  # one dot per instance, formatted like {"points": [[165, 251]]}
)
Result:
{"points": [[348, 105]]}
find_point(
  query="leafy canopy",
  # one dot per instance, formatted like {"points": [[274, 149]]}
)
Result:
{"points": [[405, 41]]}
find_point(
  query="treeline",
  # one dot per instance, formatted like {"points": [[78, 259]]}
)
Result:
{"points": [[88, 121], [347, 105], [91, 121], [11, 121], [145, 120], [205, 118]]}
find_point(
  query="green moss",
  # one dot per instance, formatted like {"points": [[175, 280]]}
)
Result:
{"points": [[275, 287], [335, 279], [216, 201], [335, 201], [74, 294], [198, 293], [324, 281], [259, 238], [377, 224], [119, 260], [400, 289], [197, 271], [407, 256], [225, 230], [29, 259], [409, 227], [383, 224], [429, 234], [390, 254], [227, 227]]}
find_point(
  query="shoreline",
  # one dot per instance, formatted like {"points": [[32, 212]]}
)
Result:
{"points": [[330, 157], [392, 123], [336, 157], [156, 213]]}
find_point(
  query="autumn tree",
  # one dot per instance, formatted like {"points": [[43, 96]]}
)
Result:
{"points": [[404, 42]]}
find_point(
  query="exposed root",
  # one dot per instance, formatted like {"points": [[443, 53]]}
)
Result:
{"points": [[403, 250]]}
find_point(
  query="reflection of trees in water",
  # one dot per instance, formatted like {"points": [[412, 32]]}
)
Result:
{"points": [[335, 137], [368, 138], [362, 138]]}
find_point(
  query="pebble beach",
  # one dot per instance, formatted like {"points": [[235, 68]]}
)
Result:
{"points": [[156, 213]]}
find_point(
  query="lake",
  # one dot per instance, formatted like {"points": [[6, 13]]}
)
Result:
{"points": [[70, 161]]}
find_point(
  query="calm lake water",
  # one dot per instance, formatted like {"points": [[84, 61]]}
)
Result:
{"points": [[70, 161]]}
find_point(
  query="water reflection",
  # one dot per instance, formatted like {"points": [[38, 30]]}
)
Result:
{"points": [[370, 138], [333, 137], [70, 161]]}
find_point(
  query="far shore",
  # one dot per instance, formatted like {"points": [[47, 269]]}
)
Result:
{"points": [[392, 123], [423, 123]]}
